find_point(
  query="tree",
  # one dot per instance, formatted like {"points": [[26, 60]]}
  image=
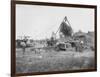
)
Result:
{"points": [[65, 29]]}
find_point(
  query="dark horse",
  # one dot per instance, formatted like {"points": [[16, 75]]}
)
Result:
{"points": [[78, 46], [51, 42]]}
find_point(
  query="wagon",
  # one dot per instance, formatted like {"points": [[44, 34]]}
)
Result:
{"points": [[62, 46]]}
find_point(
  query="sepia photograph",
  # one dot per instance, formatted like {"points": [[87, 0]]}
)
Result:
{"points": [[54, 38]]}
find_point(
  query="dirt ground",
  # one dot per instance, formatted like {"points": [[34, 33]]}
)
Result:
{"points": [[50, 60]]}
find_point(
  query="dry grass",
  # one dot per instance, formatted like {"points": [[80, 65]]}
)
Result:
{"points": [[53, 61]]}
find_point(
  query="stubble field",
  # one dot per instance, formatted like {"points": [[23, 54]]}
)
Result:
{"points": [[46, 60]]}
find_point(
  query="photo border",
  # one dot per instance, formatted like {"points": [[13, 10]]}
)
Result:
{"points": [[13, 35]]}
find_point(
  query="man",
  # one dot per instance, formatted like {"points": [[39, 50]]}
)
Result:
{"points": [[79, 46]]}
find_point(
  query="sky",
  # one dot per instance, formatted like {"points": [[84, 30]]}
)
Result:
{"points": [[40, 21]]}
